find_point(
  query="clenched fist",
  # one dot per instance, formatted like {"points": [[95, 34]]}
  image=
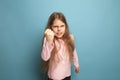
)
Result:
{"points": [[49, 34]]}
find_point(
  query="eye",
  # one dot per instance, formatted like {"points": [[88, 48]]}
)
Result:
{"points": [[62, 25], [55, 26]]}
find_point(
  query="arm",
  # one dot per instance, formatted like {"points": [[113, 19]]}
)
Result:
{"points": [[76, 62], [75, 58], [47, 44], [46, 50]]}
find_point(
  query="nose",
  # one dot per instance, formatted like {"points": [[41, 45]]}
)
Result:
{"points": [[59, 28]]}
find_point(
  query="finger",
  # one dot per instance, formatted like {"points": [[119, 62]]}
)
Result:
{"points": [[77, 70], [50, 32], [47, 30]]}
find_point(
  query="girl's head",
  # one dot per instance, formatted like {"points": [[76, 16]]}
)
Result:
{"points": [[58, 24]]}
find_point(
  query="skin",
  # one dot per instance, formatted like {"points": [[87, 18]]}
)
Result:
{"points": [[77, 69], [58, 28]]}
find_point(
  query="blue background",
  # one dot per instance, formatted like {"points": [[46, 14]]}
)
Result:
{"points": [[94, 23]]}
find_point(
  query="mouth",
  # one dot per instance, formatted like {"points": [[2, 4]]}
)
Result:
{"points": [[59, 34]]}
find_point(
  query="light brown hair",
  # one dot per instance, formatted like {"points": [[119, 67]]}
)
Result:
{"points": [[66, 38]]}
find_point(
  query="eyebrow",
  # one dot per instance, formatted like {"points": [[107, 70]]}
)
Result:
{"points": [[57, 26]]}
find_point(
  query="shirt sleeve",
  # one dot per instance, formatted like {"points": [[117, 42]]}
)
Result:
{"points": [[46, 50], [75, 56], [75, 59]]}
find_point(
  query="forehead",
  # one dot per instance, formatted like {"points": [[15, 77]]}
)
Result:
{"points": [[58, 22]]}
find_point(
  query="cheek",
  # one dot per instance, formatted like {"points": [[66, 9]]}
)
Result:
{"points": [[63, 29]]}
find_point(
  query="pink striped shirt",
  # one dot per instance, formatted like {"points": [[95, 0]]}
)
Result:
{"points": [[63, 68]]}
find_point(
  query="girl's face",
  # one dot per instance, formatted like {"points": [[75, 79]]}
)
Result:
{"points": [[58, 28]]}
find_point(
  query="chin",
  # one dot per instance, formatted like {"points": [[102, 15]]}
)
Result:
{"points": [[59, 37]]}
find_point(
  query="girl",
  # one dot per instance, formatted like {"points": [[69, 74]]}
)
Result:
{"points": [[58, 50]]}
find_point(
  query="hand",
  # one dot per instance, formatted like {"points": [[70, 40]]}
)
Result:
{"points": [[49, 35], [77, 70]]}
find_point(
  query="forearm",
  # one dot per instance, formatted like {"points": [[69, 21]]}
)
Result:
{"points": [[46, 50]]}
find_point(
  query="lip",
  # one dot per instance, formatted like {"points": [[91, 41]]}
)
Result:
{"points": [[59, 34]]}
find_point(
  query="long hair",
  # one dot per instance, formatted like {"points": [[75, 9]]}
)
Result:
{"points": [[66, 38]]}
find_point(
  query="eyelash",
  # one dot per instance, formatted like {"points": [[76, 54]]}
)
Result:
{"points": [[55, 26]]}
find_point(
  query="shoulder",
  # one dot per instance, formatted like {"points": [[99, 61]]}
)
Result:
{"points": [[72, 36]]}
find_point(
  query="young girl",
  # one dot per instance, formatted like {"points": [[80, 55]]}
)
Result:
{"points": [[58, 50]]}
